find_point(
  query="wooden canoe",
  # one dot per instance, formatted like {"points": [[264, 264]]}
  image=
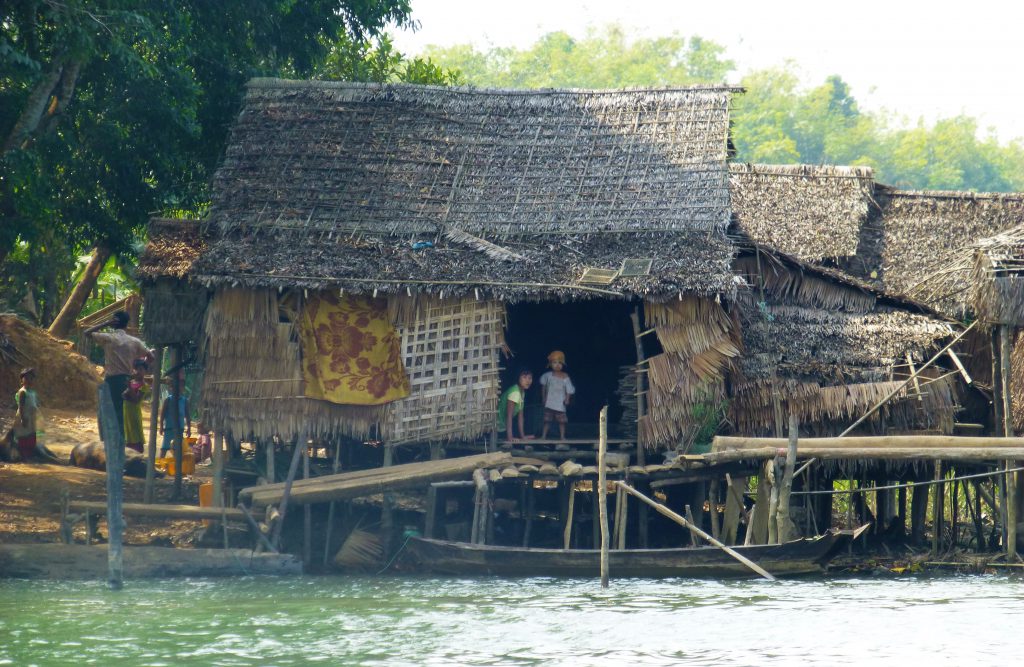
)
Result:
{"points": [[803, 556]]}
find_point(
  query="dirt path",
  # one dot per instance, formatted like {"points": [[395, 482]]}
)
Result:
{"points": [[30, 493]]}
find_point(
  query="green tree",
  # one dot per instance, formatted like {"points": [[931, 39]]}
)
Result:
{"points": [[113, 110], [604, 58]]}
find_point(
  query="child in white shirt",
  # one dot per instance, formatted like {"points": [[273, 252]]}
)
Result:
{"points": [[558, 392]]}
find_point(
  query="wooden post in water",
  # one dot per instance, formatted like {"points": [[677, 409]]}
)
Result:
{"points": [[783, 518], [774, 469], [602, 491], [175, 417], [937, 512], [567, 531], [307, 513], [113, 445], [713, 507], [154, 425], [1011, 477], [218, 469], [292, 470]]}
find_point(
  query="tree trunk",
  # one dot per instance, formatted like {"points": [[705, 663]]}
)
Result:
{"points": [[73, 306]]}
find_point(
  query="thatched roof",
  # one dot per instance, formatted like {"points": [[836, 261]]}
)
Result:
{"points": [[997, 279], [329, 185], [925, 243], [808, 211], [829, 347], [174, 245]]}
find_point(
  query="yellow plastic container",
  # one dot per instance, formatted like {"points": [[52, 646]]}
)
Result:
{"points": [[188, 464], [206, 498]]}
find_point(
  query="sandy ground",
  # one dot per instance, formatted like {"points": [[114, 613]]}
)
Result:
{"points": [[30, 493]]}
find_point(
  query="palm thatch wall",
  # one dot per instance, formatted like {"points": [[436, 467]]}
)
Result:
{"points": [[253, 386], [700, 344], [829, 350], [811, 212]]}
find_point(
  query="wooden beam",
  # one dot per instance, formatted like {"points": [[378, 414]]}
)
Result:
{"points": [[878, 454], [378, 480], [727, 443]]}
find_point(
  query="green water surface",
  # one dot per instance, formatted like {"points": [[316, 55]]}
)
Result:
{"points": [[490, 621]]}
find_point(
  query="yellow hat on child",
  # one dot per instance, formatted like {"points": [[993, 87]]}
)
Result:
{"points": [[556, 356]]}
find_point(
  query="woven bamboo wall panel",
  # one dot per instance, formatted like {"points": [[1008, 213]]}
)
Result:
{"points": [[451, 355]]}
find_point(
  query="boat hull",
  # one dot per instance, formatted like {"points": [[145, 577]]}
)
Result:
{"points": [[805, 556]]}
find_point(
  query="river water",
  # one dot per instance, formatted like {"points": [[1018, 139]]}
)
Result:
{"points": [[488, 621]]}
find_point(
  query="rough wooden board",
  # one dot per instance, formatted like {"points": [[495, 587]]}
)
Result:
{"points": [[366, 482]]}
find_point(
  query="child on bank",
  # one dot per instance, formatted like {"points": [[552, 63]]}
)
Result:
{"points": [[203, 447], [174, 423], [25, 418], [510, 406], [558, 391], [131, 407]]}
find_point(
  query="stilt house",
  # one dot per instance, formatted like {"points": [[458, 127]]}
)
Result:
{"points": [[381, 260]]}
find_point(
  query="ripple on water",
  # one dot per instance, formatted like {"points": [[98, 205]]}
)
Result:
{"points": [[492, 621]]}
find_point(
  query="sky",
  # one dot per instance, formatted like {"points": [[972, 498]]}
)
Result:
{"points": [[920, 60]]}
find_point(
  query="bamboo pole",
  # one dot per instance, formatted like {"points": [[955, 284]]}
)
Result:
{"points": [[113, 443], [661, 509], [330, 511], [912, 377], [292, 470], [602, 491], [154, 425]]}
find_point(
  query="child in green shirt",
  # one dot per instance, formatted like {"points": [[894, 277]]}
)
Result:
{"points": [[511, 405]]}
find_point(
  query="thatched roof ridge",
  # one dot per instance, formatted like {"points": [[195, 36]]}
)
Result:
{"points": [[398, 158], [808, 211], [173, 247], [925, 245]]}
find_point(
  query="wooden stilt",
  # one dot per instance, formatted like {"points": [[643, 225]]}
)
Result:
{"points": [[283, 508], [759, 519], [307, 513], [918, 513], [784, 521], [330, 510], [387, 517], [479, 484], [154, 424], [773, 468], [270, 450], [529, 497], [689, 517], [570, 506], [113, 444], [602, 492], [713, 508], [1005, 336], [176, 412], [937, 512]]}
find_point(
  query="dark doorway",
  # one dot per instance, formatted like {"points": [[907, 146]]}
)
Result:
{"points": [[597, 339]]}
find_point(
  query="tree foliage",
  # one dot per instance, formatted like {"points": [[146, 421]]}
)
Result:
{"points": [[114, 110], [777, 120]]}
